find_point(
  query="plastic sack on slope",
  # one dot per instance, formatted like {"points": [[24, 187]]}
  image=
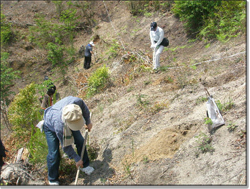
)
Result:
{"points": [[214, 113]]}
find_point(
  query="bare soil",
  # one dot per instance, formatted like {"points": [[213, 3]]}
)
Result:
{"points": [[143, 145]]}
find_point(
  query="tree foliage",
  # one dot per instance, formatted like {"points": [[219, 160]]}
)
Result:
{"points": [[6, 32], [8, 76], [212, 19], [24, 110], [194, 13], [24, 114], [97, 81], [228, 20]]}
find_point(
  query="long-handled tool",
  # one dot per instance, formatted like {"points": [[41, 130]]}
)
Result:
{"points": [[82, 153]]}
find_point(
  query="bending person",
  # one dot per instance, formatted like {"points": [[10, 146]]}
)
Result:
{"points": [[156, 38], [62, 124]]}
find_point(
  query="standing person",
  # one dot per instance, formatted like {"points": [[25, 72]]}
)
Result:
{"points": [[88, 54], [157, 43], [62, 124], [47, 99]]}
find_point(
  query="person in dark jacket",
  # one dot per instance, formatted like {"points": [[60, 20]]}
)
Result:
{"points": [[88, 54], [47, 99], [2, 153], [62, 124]]}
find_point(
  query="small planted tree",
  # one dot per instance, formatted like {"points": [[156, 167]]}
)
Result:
{"points": [[24, 110], [97, 81], [24, 115]]}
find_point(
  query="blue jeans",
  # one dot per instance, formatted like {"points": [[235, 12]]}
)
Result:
{"points": [[53, 157]]}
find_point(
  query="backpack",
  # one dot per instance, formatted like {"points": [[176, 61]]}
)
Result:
{"points": [[165, 42]]}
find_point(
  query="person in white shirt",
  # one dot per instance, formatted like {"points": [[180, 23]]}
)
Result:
{"points": [[156, 37]]}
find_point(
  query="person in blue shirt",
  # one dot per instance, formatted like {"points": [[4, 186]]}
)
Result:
{"points": [[62, 124], [88, 54]]}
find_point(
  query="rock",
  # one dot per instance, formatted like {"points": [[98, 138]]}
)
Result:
{"points": [[14, 174]]}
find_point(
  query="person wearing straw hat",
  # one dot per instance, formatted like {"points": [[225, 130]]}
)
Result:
{"points": [[62, 124], [88, 54]]}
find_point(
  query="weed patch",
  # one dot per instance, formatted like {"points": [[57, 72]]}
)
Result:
{"points": [[97, 81], [204, 144]]}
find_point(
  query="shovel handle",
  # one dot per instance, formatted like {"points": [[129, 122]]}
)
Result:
{"points": [[207, 92], [77, 175], [82, 153]]}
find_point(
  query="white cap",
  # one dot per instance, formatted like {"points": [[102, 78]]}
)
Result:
{"points": [[92, 43]]}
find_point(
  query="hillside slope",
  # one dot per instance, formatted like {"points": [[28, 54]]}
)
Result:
{"points": [[146, 125]]}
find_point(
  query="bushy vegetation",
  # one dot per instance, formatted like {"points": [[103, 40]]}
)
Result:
{"points": [[55, 37], [114, 49], [55, 54], [8, 75], [212, 19], [204, 144], [24, 114], [6, 32], [59, 32], [145, 7], [98, 81], [24, 110]]}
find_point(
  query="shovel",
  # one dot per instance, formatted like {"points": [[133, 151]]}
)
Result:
{"points": [[82, 153]]}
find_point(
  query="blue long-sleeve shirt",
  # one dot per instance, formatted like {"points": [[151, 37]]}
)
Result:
{"points": [[53, 120], [88, 50]]}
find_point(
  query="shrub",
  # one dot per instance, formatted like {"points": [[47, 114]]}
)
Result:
{"points": [[23, 115], [45, 31], [225, 106], [204, 143], [113, 50], [55, 54], [212, 19], [142, 7], [228, 20], [194, 13], [8, 75], [6, 32], [37, 146], [97, 81], [24, 110]]}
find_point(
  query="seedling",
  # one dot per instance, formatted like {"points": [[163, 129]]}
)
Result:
{"points": [[204, 143], [208, 121], [231, 127]]}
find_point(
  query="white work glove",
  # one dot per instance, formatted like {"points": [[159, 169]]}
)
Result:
{"points": [[153, 46]]}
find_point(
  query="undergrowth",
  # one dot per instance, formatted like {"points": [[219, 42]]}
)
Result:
{"points": [[97, 81]]}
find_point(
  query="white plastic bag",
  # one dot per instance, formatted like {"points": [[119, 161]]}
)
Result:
{"points": [[214, 113], [40, 125]]}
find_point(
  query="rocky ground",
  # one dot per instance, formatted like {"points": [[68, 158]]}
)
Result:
{"points": [[146, 125]]}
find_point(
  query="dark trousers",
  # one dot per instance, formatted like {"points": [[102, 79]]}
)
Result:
{"points": [[87, 62], [53, 157]]}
